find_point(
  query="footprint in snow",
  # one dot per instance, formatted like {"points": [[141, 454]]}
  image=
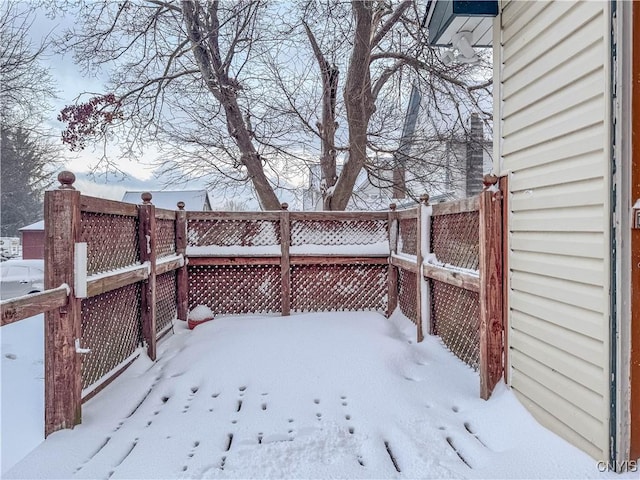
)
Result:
{"points": [[469, 428]]}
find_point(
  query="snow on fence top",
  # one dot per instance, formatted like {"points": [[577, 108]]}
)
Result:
{"points": [[260, 234]]}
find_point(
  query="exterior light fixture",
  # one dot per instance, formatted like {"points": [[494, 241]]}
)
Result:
{"points": [[462, 42], [461, 24], [448, 57]]}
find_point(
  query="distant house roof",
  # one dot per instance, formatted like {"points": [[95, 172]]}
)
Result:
{"points": [[34, 226], [194, 200]]}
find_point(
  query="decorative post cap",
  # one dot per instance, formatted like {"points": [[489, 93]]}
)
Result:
{"points": [[392, 206], [284, 206], [424, 199], [180, 205], [66, 179], [146, 198], [489, 180]]}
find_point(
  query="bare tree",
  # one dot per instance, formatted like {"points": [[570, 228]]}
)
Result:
{"points": [[383, 49], [220, 86], [165, 55], [27, 152], [26, 86]]}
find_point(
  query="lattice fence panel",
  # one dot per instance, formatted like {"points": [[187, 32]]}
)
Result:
{"points": [[166, 300], [338, 232], [244, 233], [111, 328], [407, 294], [316, 288], [456, 316], [112, 241], [229, 289], [165, 237], [455, 239], [408, 236]]}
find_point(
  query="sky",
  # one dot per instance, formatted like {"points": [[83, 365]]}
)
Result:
{"points": [[71, 83], [322, 395], [134, 175]]}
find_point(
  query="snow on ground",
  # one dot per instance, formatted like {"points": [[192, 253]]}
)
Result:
{"points": [[21, 389], [322, 395]]}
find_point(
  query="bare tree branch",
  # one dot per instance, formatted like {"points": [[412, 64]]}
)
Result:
{"points": [[390, 23]]}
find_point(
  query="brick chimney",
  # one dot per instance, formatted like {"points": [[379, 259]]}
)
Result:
{"points": [[475, 155]]}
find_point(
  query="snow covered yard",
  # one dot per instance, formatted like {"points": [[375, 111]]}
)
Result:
{"points": [[323, 395], [21, 389]]}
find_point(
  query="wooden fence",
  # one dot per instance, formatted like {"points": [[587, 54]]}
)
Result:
{"points": [[110, 285], [118, 274], [282, 262], [447, 262]]}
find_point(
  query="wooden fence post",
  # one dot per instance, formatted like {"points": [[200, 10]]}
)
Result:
{"points": [[425, 248], [491, 331], [422, 232], [392, 229], [147, 245], [63, 326], [285, 264], [182, 278]]}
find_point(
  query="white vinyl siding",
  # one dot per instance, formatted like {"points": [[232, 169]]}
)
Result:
{"points": [[552, 109]]}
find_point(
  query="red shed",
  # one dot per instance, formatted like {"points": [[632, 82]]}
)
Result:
{"points": [[33, 240]]}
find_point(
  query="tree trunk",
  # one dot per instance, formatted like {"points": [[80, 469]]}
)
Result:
{"points": [[205, 47], [359, 103], [328, 132], [249, 156], [328, 125]]}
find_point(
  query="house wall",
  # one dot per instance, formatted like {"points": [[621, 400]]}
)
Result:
{"points": [[552, 119], [32, 244]]}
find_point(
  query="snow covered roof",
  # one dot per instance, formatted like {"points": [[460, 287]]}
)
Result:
{"points": [[195, 200], [34, 226]]}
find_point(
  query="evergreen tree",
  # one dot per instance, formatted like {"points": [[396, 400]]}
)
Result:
{"points": [[27, 154], [24, 174]]}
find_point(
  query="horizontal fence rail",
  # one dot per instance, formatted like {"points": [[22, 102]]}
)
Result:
{"points": [[19, 308]]}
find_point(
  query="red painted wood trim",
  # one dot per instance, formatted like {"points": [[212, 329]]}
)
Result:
{"points": [[635, 241]]}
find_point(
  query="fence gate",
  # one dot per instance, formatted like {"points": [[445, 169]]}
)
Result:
{"points": [[447, 262]]}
